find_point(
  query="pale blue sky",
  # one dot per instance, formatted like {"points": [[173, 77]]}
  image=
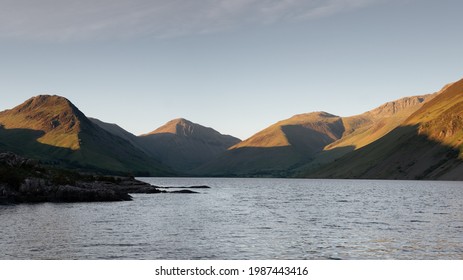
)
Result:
{"points": [[237, 65]]}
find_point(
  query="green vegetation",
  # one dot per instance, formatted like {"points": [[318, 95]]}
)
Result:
{"points": [[427, 145], [413, 137], [277, 150], [53, 130]]}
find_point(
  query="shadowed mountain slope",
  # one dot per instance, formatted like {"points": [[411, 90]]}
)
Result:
{"points": [[427, 145], [308, 141], [52, 129], [277, 149], [363, 129], [118, 131], [410, 138], [184, 145]]}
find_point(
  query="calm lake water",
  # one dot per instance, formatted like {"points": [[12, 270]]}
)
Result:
{"points": [[247, 219]]}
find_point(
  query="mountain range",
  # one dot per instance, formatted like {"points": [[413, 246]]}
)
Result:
{"points": [[417, 137], [428, 144], [53, 130]]}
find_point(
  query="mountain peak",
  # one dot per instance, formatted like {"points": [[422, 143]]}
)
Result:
{"points": [[181, 120], [325, 125], [40, 102], [184, 128], [320, 114], [45, 99], [310, 117], [53, 115], [184, 145], [180, 127]]}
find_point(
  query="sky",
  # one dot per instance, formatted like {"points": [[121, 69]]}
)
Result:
{"points": [[237, 66]]}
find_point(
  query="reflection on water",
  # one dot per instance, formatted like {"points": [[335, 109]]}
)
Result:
{"points": [[247, 219]]}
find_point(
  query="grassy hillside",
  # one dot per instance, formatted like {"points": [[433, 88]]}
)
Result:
{"points": [[363, 129], [52, 129], [306, 142], [278, 149], [427, 145], [410, 138], [56, 118], [115, 129], [368, 127]]}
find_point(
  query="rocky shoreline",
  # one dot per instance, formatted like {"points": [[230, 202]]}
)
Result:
{"points": [[24, 180]]}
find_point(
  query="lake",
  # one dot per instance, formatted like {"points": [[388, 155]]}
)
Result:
{"points": [[247, 219]]}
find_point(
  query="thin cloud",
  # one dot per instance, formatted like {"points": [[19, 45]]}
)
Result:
{"points": [[64, 20]]}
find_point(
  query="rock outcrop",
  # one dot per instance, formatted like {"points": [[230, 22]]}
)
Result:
{"points": [[24, 180]]}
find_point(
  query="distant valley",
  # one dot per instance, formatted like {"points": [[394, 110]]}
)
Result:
{"points": [[417, 137]]}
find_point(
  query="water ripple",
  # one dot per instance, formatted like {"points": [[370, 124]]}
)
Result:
{"points": [[248, 219]]}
